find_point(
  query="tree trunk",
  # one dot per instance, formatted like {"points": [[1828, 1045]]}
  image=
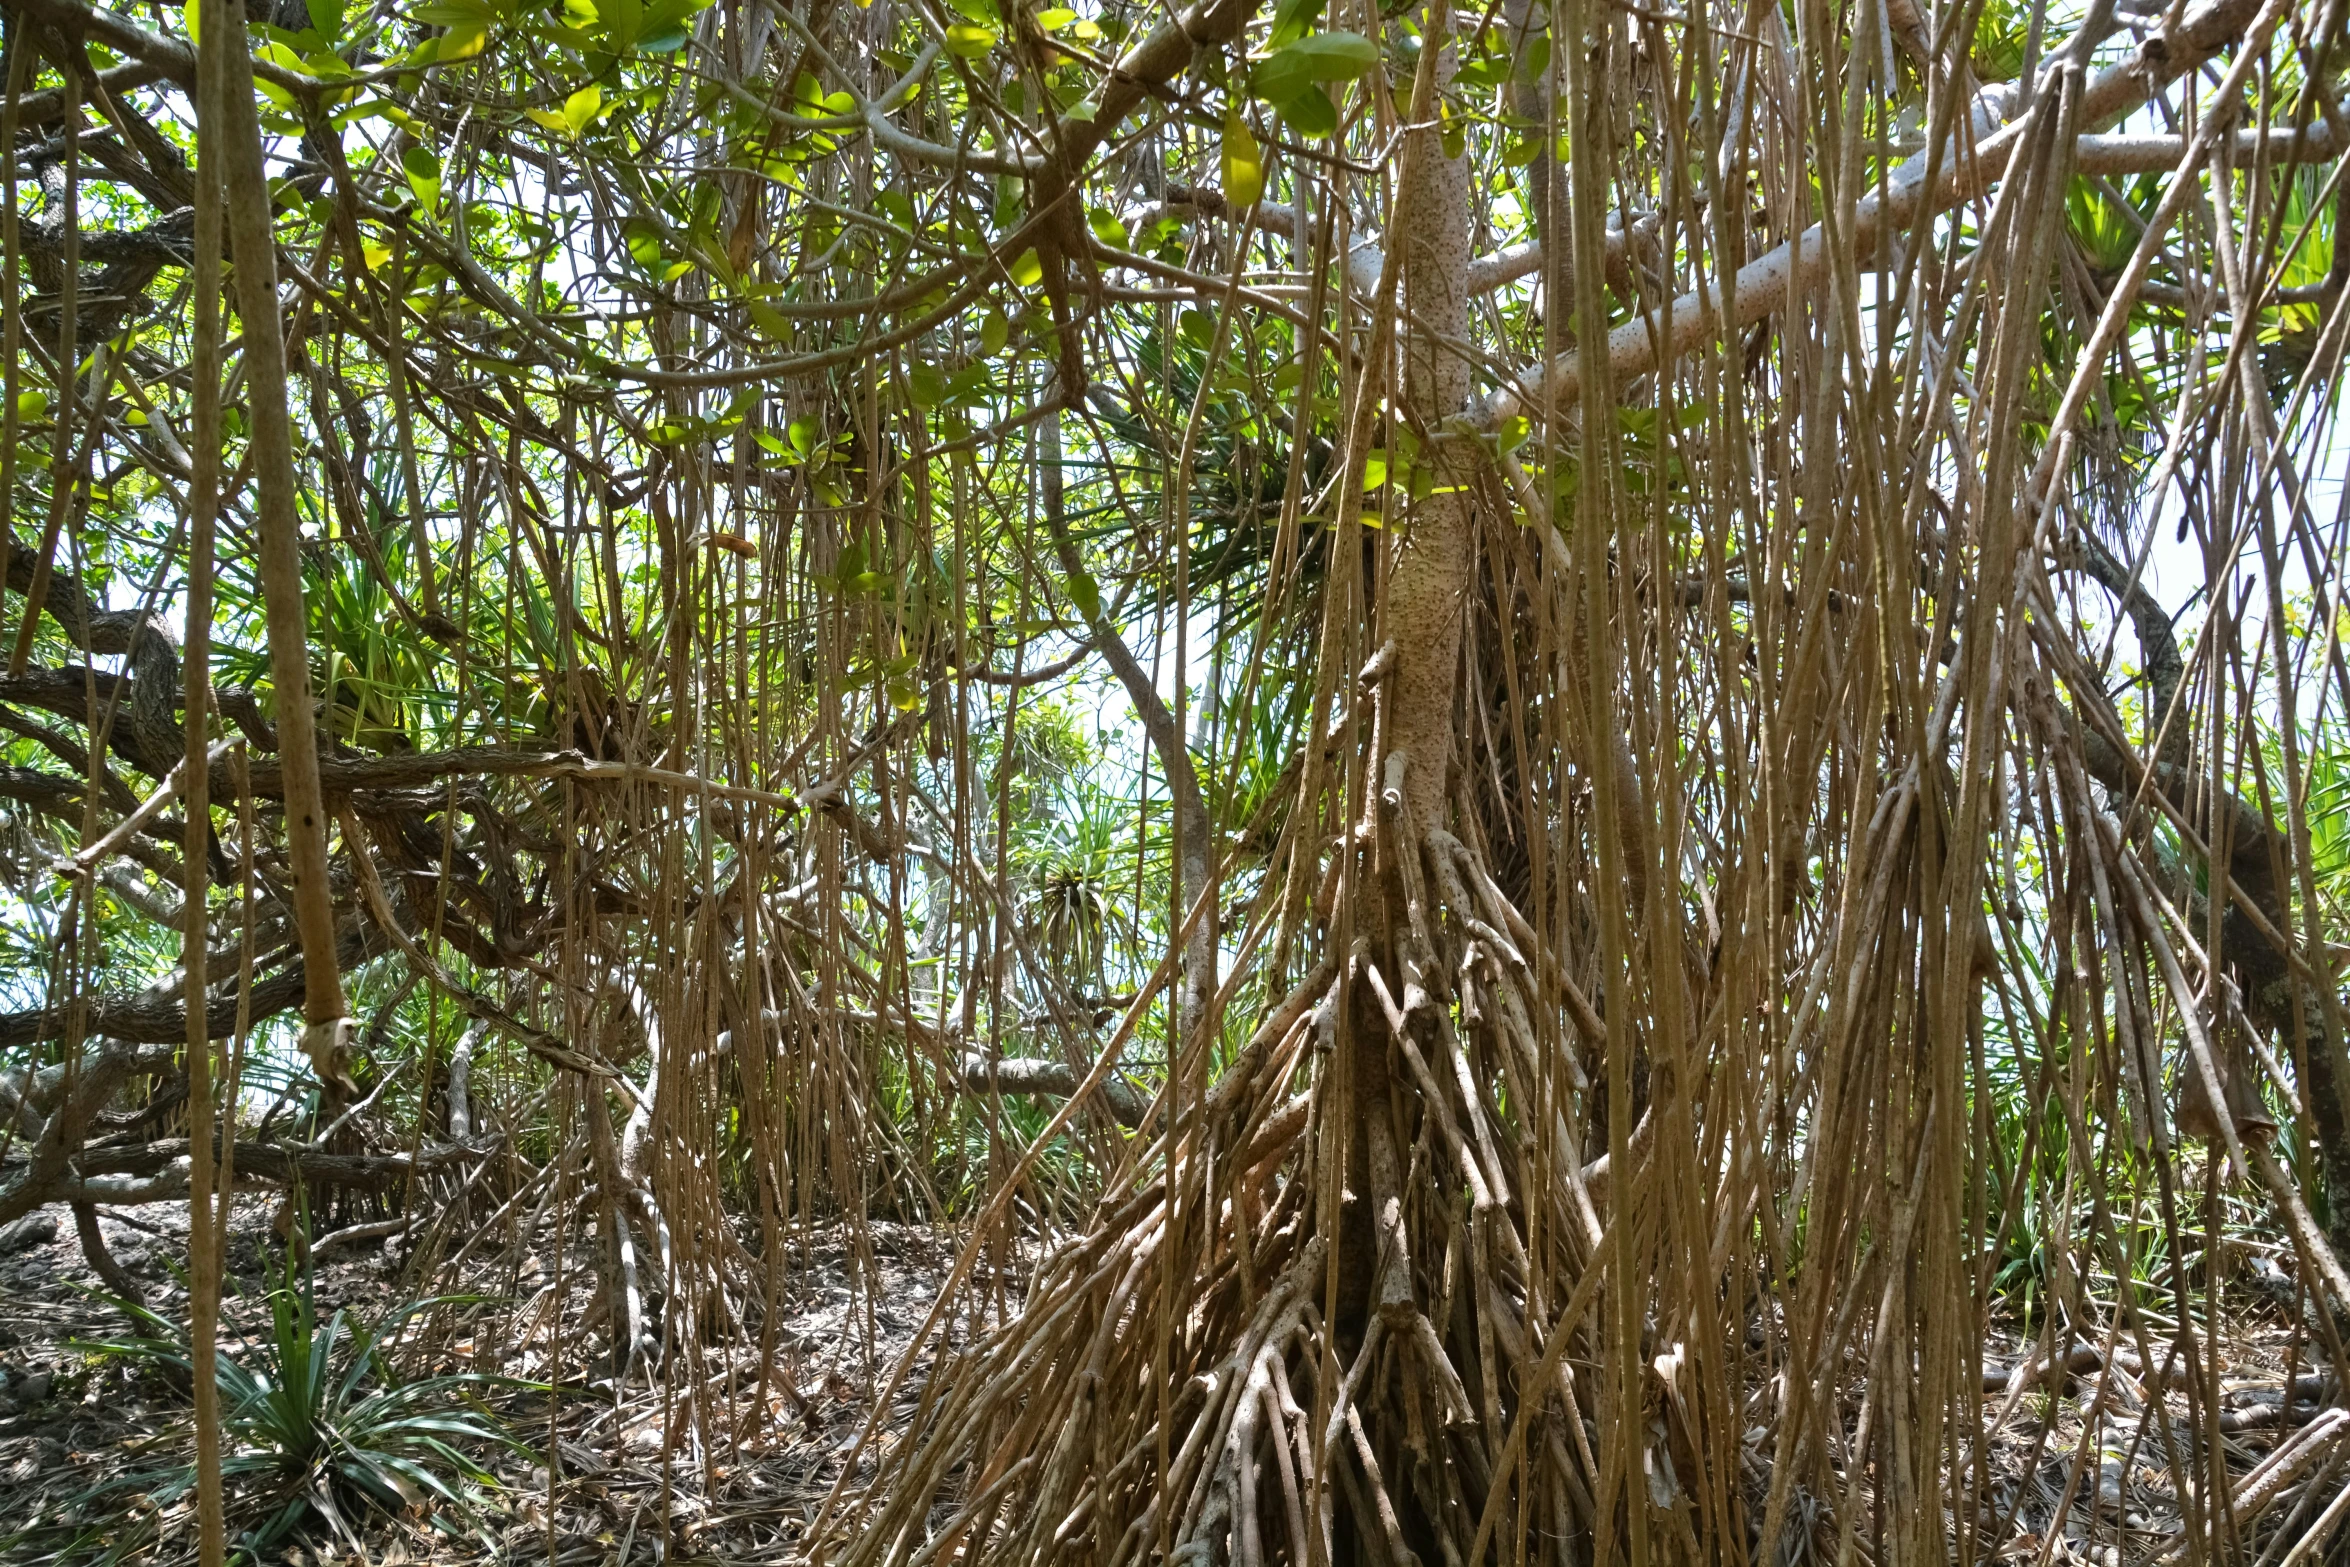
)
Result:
{"points": [[1429, 573]]}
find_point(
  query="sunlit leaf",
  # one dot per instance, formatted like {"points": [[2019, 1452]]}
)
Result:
{"points": [[582, 107], [1243, 165], [1323, 57], [423, 169]]}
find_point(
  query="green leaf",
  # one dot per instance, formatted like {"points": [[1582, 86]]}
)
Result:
{"points": [[994, 332], [1324, 57], [1534, 62], [1291, 19], [1106, 227], [468, 23], [1053, 20], [32, 406], [1244, 165], [969, 384], [2000, 37], [286, 59], [926, 385], [622, 21], [381, 108], [582, 107], [1026, 270], [1484, 70], [423, 169], [970, 40], [643, 239], [460, 43], [1310, 113], [769, 320], [1085, 594]]}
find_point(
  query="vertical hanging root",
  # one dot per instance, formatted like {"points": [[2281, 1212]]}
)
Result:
{"points": [[1420, 1455]]}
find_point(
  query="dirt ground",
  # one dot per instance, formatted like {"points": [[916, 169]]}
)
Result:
{"points": [[89, 1443], [73, 1419]]}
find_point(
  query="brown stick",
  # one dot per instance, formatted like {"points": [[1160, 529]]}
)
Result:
{"points": [[204, 1240], [253, 242]]}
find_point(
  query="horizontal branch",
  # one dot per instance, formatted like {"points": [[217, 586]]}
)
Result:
{"points": [[32, 1094], [38, 108], [62, 691], [160, 1015], [67, 692], [167, 242], [1486, 273], [2111, 154], [168, 58], [1786, 275], [278, 1163], [46, 793], [1040, 1075], [86, 622], [346, 774]]}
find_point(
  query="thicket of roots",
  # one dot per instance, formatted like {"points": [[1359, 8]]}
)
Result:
{"points": [[1323, 1323]]}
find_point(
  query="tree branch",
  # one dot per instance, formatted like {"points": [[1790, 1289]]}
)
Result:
{"points": [[1191, 810], [1784, 276]]}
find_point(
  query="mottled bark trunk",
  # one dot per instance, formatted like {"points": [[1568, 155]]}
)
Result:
{"points": [[1429, 572], [1385, 1234]]}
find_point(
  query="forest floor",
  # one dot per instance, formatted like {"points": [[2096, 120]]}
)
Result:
{"points": [[90, 1443]]}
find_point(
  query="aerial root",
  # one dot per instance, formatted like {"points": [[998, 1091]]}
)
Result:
{"points": [[1226, 1497], [1443, 1358]]}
